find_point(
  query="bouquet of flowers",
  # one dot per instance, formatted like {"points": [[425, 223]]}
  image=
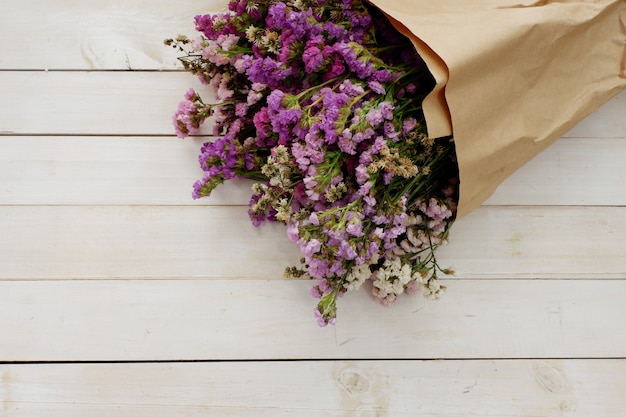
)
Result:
{"points": [[345, 113], [321, 103]]}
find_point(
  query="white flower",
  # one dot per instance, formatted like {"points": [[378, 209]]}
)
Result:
{"points": [[357, 276], [252, 33], [393, 276]]}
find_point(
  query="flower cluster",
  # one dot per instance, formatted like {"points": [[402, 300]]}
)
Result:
{"points": [[320, 102]]}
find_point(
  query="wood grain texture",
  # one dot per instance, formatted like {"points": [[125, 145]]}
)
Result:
{"points": [[609, 121], [547, 388], [181, 319], [91, 103], [105, 257], [94, 170], [113, 170], [122, 242], [114, 34]]}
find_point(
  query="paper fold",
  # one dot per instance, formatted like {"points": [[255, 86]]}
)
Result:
{"points": [[512, 76]]}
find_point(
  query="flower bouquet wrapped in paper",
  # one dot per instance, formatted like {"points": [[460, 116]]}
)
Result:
{"points": [[371, 127], [512, 75]]}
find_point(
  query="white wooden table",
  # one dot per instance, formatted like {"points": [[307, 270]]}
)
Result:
{"points": [[121, 296]]}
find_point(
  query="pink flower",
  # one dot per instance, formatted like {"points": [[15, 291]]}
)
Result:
{"points": [[186, 120], [292, 231], [311, 247], [241, 109], [313, 219]]}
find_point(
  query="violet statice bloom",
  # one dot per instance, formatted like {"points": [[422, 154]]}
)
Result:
{"points": [[215, 174], [190, 114], [312, 58], [185, 123]]}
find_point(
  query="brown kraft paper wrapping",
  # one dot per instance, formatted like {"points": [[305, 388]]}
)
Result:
{"points": [[512, 76]]}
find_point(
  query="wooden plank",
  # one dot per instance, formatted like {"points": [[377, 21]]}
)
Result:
{"points": [[116, 34], [116, 103], [547, 388], [94, 170], [94, 103], [539, 242], [50, 242], [161, 170], [230, 319], [139, 241], [573, 171], [608, 121]]}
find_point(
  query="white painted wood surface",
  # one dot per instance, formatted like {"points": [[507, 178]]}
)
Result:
{"points": [[227, 319], [546, 388], [109, 270]]}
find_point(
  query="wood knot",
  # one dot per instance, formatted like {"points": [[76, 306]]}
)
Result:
{"points": [[548, 378], [353, 382]]}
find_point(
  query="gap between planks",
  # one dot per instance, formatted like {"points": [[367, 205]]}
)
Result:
{"points": [[303, 360]]}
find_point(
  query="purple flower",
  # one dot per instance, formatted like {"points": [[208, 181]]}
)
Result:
{"points": [[314, 219], [315, 292], [292, 231], [378, 145], [276, 14], [274, 100], [323, 321], [335, 31], [191, 95], [364, 189], [386, 110], [237, 6], [374, 116], [318, 268], [383, 76], [370, 201], [435, 210], [287, 38], [304, 24], [300, 156], [267, 71], [336, 268], [282, 119], [390, 131], [372, 248], [185, 119], [351, 89], [376, 87], [242, 63], [312, 58], [346, 251], [241, 109], [361, 174], [337, 68], [346, 142], [355, 229], [261, 122], [408, 125], [362, 69]]}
